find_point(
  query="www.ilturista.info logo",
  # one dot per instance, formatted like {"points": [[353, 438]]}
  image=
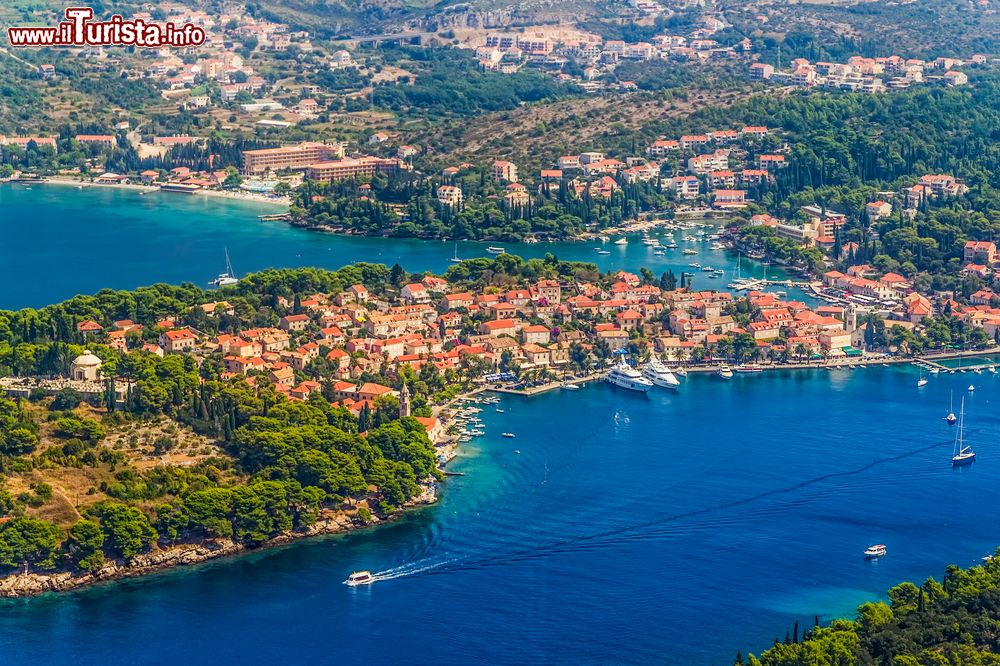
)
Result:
{"points": [[79, 29]]}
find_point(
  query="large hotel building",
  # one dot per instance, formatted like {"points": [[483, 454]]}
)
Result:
{"points": [[325, 172], [256, 162]]}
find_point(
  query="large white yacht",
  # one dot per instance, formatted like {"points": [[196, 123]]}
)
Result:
{"points": [[627, 377], [660, 374]]}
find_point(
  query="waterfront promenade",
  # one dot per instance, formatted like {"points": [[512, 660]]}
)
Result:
{"points": [[928, 360]]}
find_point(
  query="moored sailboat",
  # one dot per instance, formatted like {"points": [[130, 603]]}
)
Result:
{"points": [[951, 418], [228, 278], [961, 453]]}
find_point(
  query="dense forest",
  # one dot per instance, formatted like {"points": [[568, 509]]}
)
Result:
{"points": [[950, 622], [405, 205], [450, 82]]}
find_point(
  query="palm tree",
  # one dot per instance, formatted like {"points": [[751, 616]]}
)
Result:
{"points": [[800, 351]]}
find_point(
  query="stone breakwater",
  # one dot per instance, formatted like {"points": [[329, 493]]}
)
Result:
{"points": [[36, 583]]}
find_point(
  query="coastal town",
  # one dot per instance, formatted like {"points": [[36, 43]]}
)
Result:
{"points": [[528, 297]]}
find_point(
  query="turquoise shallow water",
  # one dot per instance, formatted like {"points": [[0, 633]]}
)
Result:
{"points": [[59, 241], [630, 529]]}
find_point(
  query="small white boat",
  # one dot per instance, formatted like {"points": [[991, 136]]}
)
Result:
{"points": [[725, 371], [508, 435], [495, 250], [658, 253], [621, 241], [603, 252], [569, 387], [689, 251], [517, 451], [749, 367], [921, 382], [360, 578], [499, 411], [972, 387], [878, 550], [455, 259]]}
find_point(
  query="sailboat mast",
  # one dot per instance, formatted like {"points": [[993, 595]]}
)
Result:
{"points": [[959, 445]]}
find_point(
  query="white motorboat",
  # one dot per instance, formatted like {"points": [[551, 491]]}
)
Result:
{"points": [[689, 251], [972, 387], [495, 250], [508, 435], [878, 550], [749, 367], [625, 376], [725, 371], [660, 374], [569, 387], [360, 578], [621, 241]]}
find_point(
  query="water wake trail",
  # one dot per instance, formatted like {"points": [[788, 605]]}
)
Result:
{"points": [[411, 568]]}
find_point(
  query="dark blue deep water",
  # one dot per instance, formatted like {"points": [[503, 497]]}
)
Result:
{"points": [[57, 241], [631, 529]]}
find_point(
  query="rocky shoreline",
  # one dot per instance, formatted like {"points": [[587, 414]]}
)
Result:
{"points": [[32, 584]]}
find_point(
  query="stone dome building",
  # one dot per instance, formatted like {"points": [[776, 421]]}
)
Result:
{"points": [[85, 367]]}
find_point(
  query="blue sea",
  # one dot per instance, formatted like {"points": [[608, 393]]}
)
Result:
{"points": [[59, 241], [668, 527]]}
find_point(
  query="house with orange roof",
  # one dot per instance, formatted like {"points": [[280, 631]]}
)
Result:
{"points": [[294, 322], [982, 297], [980, 252], [284, 376], [538, 335], [413, 294], [535, 355], [176, 341], [498, 327]]}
